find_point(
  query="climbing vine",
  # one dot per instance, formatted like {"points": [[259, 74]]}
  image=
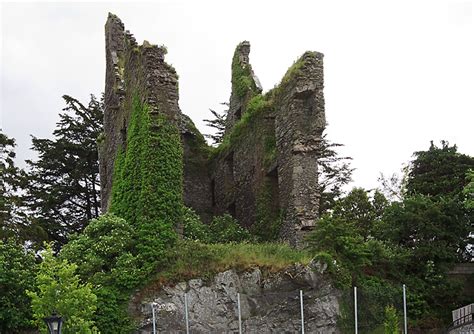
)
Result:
{"points": [[147, 189]]}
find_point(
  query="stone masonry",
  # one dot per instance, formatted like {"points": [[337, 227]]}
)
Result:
{"points": [[269, 170]]}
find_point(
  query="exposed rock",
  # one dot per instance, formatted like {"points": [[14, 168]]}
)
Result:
{"points": [[269, 303]]}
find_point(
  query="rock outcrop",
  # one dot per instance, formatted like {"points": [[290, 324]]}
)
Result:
{"points": [[270, 303]]}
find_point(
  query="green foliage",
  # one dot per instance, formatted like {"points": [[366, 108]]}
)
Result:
{"points": [[191, 259], [119, 254], [391, 323], [217, 123], [435, 230], [226, 229], [147, 190], [469, 191], [334, 172], [347, 234], [364, 213], [101, 246], [242, 80], [10, 224], [193, 228], [256, 106], [17, 270], [221, 230], [439, 171], [62, 186], [102, 254], [59, 289]]}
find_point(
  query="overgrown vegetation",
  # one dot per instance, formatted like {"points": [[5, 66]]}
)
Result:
{"points": [[191, 259], [242, 80], [59, 289], [221, 230], [377, 246], [17, 271]]}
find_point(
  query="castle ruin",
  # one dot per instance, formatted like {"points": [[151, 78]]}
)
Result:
{"points": [[265, 173]]}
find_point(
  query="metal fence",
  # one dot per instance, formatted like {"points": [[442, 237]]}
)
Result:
{"points": [[363, 309]]}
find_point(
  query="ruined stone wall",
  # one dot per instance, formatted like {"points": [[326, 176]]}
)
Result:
{"points": [[134, 70], [292, 117], [265, 172], [300, 121]]}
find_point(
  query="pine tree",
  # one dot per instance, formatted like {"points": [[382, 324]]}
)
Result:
{"points": [[62, 186], [10, 225], [217, 123]]}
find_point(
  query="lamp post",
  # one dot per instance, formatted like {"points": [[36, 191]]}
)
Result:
{"points": [[54, 323]]}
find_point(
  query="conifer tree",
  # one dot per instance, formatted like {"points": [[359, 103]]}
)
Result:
{"points": [[62, 185]]}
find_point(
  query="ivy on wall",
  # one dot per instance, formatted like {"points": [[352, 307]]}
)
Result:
{"points": [[147, 188]]}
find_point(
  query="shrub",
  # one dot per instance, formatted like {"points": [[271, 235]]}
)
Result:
{"points": [[17, 270], [59, 289], [391, 323], [226, 229], [193, 228]]}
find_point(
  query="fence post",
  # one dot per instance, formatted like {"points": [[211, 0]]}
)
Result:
{"points": [[302, 311], [355, 310], [186, 312], [153, 314], [405, 325], [240, 315]]}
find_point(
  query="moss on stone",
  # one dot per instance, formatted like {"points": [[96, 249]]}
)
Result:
{"points": [[255, 108], [242, 80]]}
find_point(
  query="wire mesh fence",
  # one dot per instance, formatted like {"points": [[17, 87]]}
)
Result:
{"points": [[372, 308]]}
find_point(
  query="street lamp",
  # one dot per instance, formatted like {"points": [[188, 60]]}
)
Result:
{"points": [[54, 323]]}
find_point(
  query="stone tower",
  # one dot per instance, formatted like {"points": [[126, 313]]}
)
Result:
{"points": [[265, 173]]}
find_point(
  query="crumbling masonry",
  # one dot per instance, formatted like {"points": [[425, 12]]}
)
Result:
{"points": [[265, 173]]}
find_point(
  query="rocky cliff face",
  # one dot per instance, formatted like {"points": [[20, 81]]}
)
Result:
{"points": [[269, 303]]}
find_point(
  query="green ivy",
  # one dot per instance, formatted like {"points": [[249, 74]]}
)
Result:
{"points": [[242, 80], [147, 190], [147, 193]]}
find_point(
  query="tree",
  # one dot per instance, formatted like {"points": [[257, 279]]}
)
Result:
{"points": [[469, 191], [439, 171], [433, 218], [17, 269], [334, 172], [217, 123], [434, 230], [9, 200], [391, 323], [62, 186], [60, 289], [394, 187], [362, 211]]}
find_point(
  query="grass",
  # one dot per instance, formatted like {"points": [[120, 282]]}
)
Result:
{"points": [[191, 259]]}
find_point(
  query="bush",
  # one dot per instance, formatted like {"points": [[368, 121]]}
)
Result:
{"points": [[98, 249], [193, 228], [226, 229], [17, 270], [391, 323], [60, 289]]}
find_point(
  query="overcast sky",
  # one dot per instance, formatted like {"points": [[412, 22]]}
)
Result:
{"points": [[397, 73]]}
